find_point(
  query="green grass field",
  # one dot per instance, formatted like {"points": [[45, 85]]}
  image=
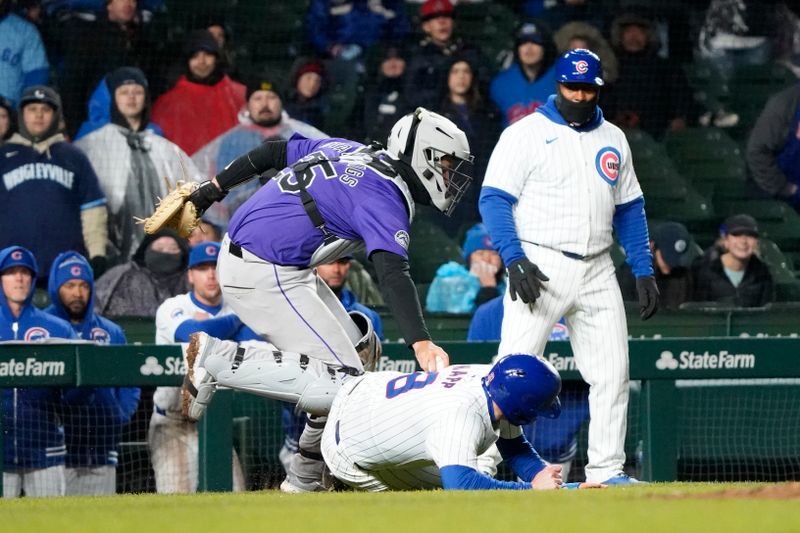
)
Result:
{"points": [[657, 507]]}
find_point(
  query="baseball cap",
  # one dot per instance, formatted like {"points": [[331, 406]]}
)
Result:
{"points": [[673, 240], [741, 224], [40, 94], [18, 256], [205, 252], [529, 33], [436, 8], [477, 238]]}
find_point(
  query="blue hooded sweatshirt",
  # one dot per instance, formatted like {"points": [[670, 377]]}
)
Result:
{"points": [[94, 420], [33, 435]]}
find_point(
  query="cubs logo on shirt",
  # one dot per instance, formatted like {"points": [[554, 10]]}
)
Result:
{"points": [[100, 336], [36, 333], [608, 162]]}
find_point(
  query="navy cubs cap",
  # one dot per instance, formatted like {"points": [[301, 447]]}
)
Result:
{"points": [[673, 240], [740, 225], [529, 33], [18, 256], [40, 94], [205, 252]]}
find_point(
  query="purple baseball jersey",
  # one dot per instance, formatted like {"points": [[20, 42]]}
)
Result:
{"points": [[356, 198]]}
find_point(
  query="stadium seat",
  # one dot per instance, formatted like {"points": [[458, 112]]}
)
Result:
{"points": [[700, 144], [750, 88], [681, 204], [649, 156], [710, 89], [774, 257]]}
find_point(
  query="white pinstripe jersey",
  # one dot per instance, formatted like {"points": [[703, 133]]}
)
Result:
{"points": [[567, 182], [170, 314], [397, 421]]}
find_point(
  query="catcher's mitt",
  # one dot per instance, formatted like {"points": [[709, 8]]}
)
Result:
{"points": [[174, 211]]}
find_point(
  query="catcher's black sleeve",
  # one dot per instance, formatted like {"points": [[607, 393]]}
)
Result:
{"points": [[400, 294], [266, 156]]}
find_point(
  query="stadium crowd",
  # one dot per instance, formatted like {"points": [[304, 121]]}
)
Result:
{"points": [[100, 110]]}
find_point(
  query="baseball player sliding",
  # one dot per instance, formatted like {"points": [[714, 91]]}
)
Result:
{"points": [[388, 430], [333, 197], [558, 181]]}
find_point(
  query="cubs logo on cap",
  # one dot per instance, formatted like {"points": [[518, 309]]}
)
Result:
{"points": [[16, 256], [608, 162], [581, 67], [75, 270], [205, 252]]}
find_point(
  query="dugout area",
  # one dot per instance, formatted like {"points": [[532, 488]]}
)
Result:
{"points": [[701, 409]]}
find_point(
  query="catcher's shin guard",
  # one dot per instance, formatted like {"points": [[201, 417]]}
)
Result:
{"points": [[285, 376], [199, 385], [369, 347]]}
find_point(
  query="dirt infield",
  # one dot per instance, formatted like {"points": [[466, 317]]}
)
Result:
{"points": [[774, 491]]}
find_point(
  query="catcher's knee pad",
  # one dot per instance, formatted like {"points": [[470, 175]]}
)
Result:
{"points": [[317, 398], [369, 346]]}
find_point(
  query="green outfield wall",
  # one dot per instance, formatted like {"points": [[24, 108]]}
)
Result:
{"points": [[657, 363]]}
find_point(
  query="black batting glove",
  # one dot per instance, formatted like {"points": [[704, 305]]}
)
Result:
{"points": [[525, 280], [205, 195], [647, 290]]}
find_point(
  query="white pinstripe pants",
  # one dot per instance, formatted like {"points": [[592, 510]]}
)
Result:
{"points": [[587, 294], [35, 482], [92, 480]]}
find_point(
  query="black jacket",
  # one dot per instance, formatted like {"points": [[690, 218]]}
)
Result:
{"points": [[769, 137], [712, 285]]}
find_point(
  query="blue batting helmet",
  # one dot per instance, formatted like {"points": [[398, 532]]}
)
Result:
{"points": [[579, 66], [524, 387]]}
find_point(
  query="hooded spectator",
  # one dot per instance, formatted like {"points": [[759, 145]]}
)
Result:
{"points": [[156, 272], [307, 100], [525, 85], [265, 118], [205, 102], [50, 193], [580, 34], [131, 161]]}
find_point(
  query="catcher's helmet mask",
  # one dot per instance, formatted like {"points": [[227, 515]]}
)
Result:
{"points": [[438, 152]]}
